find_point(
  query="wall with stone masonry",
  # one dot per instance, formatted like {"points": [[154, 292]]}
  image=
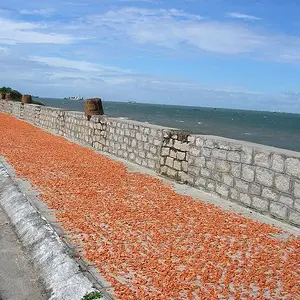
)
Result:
{"points": [[259, 177]]}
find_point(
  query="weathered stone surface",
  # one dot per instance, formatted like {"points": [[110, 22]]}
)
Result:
{"points": [[222, 189], [211, 185], [246, 155], [286, 200], [245, 199], [177, 165], [297, 205], [218, 153], [205, 172], [180, 155], [184, 166], [169, 162], [199, 142], [293, 167], [206, 152], [171, 172], [282, 183], [294, 218], [278, 163], [172, 153], [260, 204], [210, 164], [222, 166], [200, 182], [278, 210], [269, 194], [255, 189], [234, 194], [262, 159], [164, 151], [194, 151], [234, 156], [248, 173], [236, 170], [297, 189], [228, 180], [264, 176], [194, 170], [241, 186], [208, 143]]}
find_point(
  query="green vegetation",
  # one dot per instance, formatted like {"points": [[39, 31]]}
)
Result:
{"points": [[92, 296], [16, 95]]}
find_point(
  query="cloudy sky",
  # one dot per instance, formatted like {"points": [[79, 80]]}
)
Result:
{"points": [[220, 53]]}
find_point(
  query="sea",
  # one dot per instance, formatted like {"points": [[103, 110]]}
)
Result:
{"points": [[275, 129]]}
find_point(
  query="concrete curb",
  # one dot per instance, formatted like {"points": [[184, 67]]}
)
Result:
{"points": [[61, 275]]}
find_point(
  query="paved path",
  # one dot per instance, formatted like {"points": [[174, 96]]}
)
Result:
{"points": [[148, 241], [17, 276]]}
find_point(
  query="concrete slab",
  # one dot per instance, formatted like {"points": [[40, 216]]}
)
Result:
{"points": [[18, 278]]}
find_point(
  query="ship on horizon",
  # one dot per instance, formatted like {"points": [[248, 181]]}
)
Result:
{"points": [[74, 98]]}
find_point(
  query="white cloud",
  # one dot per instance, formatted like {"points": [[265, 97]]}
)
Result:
{"points": [[41, 12], [242, 16], [15, 32]]}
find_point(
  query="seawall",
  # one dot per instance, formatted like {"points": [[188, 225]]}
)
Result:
{"points": [[262, 178]]}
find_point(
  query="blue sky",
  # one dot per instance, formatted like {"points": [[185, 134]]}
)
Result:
{"points": [[220, 53]]}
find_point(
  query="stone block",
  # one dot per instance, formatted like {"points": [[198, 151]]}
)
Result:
{"points": [[184, 147], [218, 153], [278, 210], [241, 186], [163, 169], [282, 183], [199, 142], [200, 182], [262, 159], [278, 163], [297, 189], [169, 162], [165, 151], [286, 200], [264, 176], [269, 194], [248, 173], [171, 172], [177, 165], [211, 185], [151, 164], [245, 199], [209, 143], [194, 151], [246, 155], [255, 189], [184, 166], [234, 194], [297, 204], [194, 170], [205, 172], [294, 217], [223, 166], [228, 180], [172, 153], [199, 162], [293, 167], [260, 204], [222, 190], [181, 155], [206, 152], [210, 164], [234, 156], [236, 170], [156, 142]]}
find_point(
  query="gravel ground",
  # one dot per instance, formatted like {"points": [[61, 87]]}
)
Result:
{"points": [[147, 240]]}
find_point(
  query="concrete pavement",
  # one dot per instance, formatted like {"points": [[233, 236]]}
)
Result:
{"points": [[18, 279]]}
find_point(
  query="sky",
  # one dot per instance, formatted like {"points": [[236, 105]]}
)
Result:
{"points": [[217, 53]]}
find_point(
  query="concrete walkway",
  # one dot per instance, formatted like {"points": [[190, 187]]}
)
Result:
{"points": [[18, 279]]}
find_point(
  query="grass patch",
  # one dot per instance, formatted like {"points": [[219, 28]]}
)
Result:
{"points": [[92, 296]]}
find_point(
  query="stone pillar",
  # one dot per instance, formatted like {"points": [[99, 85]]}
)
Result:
{"points": [[93, 106], [26, 99]]}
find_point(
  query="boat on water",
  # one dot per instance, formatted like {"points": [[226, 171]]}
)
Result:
{"points": [[74, 98]]}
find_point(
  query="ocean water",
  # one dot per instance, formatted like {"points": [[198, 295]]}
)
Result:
{"points": [[274, 129]]}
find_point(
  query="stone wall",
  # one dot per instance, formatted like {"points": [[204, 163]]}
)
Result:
{"points": [[262, 178]]}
